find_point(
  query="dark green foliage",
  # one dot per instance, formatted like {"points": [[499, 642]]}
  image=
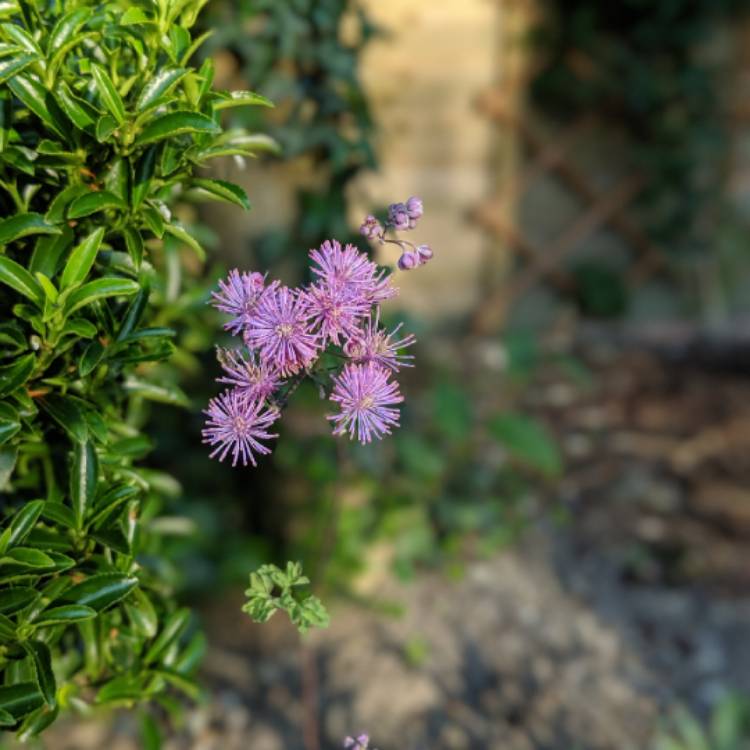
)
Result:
{"points": [[103, 123], [305, 56]]}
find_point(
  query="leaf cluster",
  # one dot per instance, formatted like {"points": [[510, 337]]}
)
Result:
{"points": [[104, 126]]}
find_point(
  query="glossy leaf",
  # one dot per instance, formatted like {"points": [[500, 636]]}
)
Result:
{"points": [[64, 615], [23, 522], [84, 474], [45, 678], [82, 259], [158, 86], [98, 201], [13, 65], [16, 374], [10, 422], [20, 699], [15, 276], [241, 99], [174, 625], [108, 92], [174, 124], [223, 190], [109, 286], [101, 591], [67, 414]]}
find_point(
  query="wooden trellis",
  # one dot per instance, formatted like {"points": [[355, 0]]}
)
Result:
{"points": [[545, 264]]}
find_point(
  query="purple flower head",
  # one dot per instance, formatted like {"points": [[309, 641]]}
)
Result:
{"points": [[414, 207], [375, 344], [408, 261], [251, 377], [280, 331], [348, 268], [371, 228], [365, 396], [360, 743], [335, 310], [425, 253], [398, 216], [237, 296], [236, 425]]}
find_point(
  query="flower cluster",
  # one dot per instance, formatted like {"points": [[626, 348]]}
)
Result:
{"points": [[401, 217], [361, 742], [328, 330]]}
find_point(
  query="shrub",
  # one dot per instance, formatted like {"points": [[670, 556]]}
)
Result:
{"points": [[103, 125]]}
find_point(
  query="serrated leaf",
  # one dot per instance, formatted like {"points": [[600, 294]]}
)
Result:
{"points": [[159, 85], [45, 678], [108, 93], [108, 286], [174, 124], [101, 591], [22, 225], [90, 203], [16, 374], [223, 190], [82, 259]]}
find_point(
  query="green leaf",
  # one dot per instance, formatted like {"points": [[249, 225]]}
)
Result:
{"points": [[165, 394], [27, 557], [121, 689], [108, 93], [13, 65], [15, 375], [59, 206], [67, 414], [7, 629], [17, 277], [59, 513], [110, 501], [80, 112], [160, 84], [134, 245], [20, 699], [15, 598], [10, 422], [63, 615], [91, 357], [142, 614], [45, 678], [65, 28], [176, 123], [23, 522], [101, 591], [22, 225], [6, 118], [133, 16], [84, 475], [8, 457], [174, 625], [108, 286], [143, 173], [226, 191], [97, 201], [528, 441], [39, 101], [48, 250], [105, 126], [181, 233], [240, 99], [82, 259]]}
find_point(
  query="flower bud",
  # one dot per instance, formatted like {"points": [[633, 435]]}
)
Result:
{"points": [[414, 207], [371, 228], [398, 216], [424, 253], [408, 261]]}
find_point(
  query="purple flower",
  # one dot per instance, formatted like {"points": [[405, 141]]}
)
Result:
{"points": [[371, 228], [360, 743], [351, 269], [398, 216], [408, 261], [335, 310], [375, 344], [236, 425], [424, 252], [253, 378], [237, 297], [414, 207], [365, 396], [280, 330]]}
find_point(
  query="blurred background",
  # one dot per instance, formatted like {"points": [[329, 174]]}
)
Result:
{"points": [[552, 553]]}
